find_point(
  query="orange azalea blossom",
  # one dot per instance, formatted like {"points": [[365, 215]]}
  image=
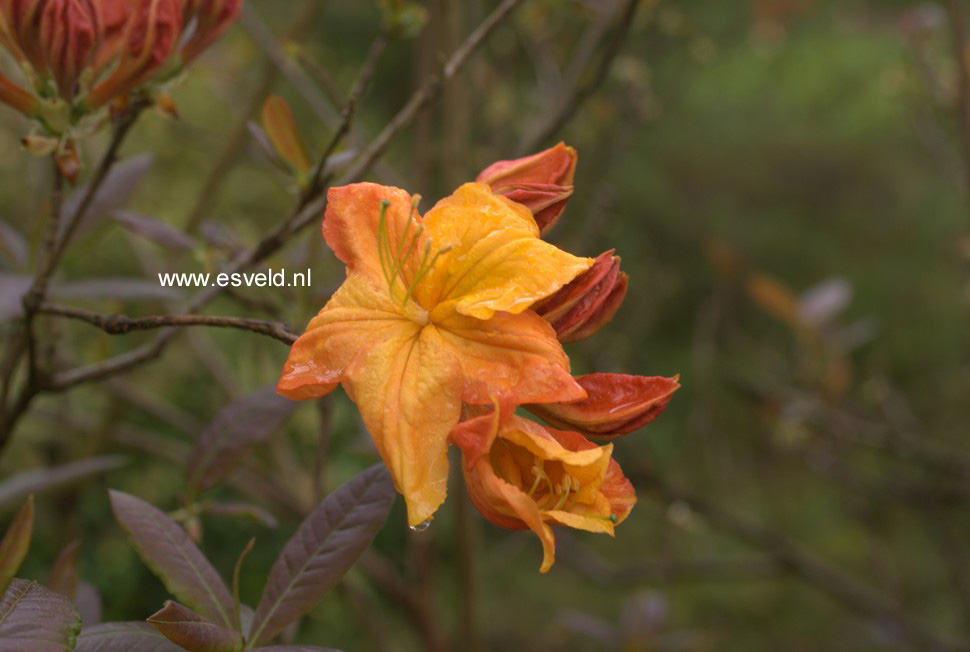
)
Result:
{"points": [[434, 313], [521, 475]]}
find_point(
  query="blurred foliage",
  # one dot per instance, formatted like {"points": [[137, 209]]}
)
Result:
{"points": [[733, 144]]}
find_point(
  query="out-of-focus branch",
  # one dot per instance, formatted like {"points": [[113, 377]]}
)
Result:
{"points": [[349, 112], [306, 214], [787, 554], [58, 238], [122, 324], [239, 134], [588, 74], [428, 91], [386, 578], [959, 35]]}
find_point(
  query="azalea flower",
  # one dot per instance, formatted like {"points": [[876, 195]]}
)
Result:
{"points": [[434, 314], [521, 475]]}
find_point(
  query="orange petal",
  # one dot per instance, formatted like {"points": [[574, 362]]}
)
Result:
{"points": [[497, 261], [486, 490], [408, 390], [556, 165], [358, 317], [350, 224], [510, 354], [616, 404]]}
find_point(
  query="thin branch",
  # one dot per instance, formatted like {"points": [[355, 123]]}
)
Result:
{"points": [[428, 91], [589, 74], [123, 126], [350, 110], [122, 324], [302, 217], [231, 152], [788, 555]]}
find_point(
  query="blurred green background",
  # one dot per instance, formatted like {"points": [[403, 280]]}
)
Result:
{"points": [[783, 180]]}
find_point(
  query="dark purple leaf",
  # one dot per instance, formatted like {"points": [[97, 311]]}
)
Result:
{"points": [[191, 631], [13, 246], [325, 546], [123, 637], [18, 487], [155, 230], [16, 541], [124, 289], [13, 287], [88, 602], [223, 444], [113, 194], [170, 553], [33, 618]]}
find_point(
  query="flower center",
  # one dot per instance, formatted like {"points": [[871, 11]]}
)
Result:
{"points": [[395, 256]]}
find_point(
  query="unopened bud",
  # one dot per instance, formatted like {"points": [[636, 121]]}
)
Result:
{"points": [[151, 35], [70, 33], [589, 302], [212, 19], [616, 404], [542, 182]]}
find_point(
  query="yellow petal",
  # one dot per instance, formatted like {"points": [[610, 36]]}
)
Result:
{"points": [[359, 316], [496, 260], [495, 491], [510, 354], [408, 390]]}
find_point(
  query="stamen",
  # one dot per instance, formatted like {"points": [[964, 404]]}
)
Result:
{"points": [[382, 240], [539, 473], [425, 267], [566, 490]]}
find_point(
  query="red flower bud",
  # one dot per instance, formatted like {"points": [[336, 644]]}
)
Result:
{"points": [[213, 18], [70, 33], [588, 302], [616, 404], [542, 182], [151, 35], [20, 22]]}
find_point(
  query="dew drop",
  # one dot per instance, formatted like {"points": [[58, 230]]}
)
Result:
{"points": [[420, 527]]}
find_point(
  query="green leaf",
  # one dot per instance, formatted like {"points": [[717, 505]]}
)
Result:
{"points": [[165, 547], [14, 545], [325, 546], [192, 632], [123, 637], [35, 619]]}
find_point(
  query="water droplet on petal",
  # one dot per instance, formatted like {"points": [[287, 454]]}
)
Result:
{"points": [[421, 527]]}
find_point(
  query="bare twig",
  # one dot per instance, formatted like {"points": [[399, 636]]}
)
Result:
{"points": [[428, 91], [960, 52], [386, 578], [122, 324], [350, 110], [230, 154], [588, 74], [302, 217], [788, 555]]}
